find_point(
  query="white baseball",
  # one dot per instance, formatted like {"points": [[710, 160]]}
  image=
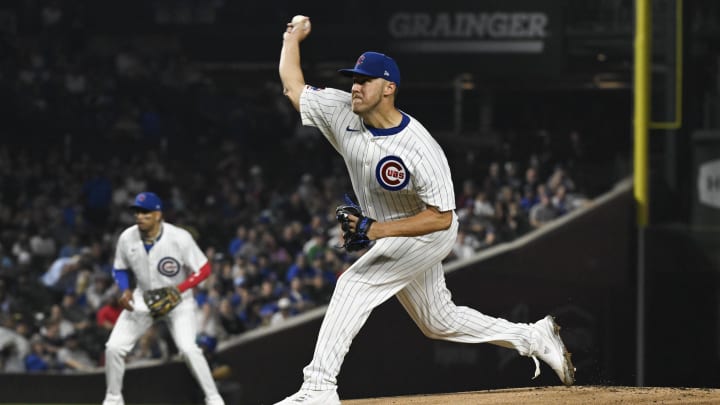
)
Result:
{"points": [[299, 19]]}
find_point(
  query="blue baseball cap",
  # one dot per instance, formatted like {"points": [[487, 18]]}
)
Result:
{"points": [[147, 201], [374, 64]]}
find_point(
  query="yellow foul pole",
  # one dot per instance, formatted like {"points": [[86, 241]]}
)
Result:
{"points": [[642, 107], [643, 31]]}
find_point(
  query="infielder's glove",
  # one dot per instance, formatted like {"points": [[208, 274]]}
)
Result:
{"points": [[160, 301], [357, 240]]}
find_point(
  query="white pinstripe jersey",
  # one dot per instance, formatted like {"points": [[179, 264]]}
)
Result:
{"points": [[173, 257], [395, 172]]}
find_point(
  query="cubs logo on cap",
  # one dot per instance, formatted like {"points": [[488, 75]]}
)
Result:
{"points": [[147, 201], [375, 64]]}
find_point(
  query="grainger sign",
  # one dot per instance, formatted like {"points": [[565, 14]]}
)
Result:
{"points": [[490, 38], [469, 32]]}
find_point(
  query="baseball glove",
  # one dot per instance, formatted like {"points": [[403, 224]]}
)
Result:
{"points": [[358, 239], [160, 301]]}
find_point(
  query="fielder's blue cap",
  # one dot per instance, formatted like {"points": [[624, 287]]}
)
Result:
{"points": [[374, 64], [147, 201]]}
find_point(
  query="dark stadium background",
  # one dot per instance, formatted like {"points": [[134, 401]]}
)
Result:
{"points": [[482, 106]]}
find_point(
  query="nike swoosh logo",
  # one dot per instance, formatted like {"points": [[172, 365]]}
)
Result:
{"points": [[351, 129]]}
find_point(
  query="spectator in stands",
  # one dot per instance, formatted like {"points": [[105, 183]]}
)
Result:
{"points": [[514, 224], [14, 345], [482, 207], [7, 264], [465, 246], [237, 241], [543, 212], [100, 291], [108, 313], [56, 327], [62, 273], [150, 346], [331, 265], [295, 208], [559, 177], [511, 178], [317, 244], [561, 201], [71, 247], [532, 178], [42, 245], [208, 323], [298, 295], [529, 198], [229, 319], [7, 301], [465, 200], [291, 236], [53, 336], [251, 247], [300, 269], [22, 252], [482, 231], [72, 357], [283, 313], [493, 181], [75, 312], [39, 358], [320, 291]]}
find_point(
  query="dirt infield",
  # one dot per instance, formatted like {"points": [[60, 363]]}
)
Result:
{"points": [[558, 395]]}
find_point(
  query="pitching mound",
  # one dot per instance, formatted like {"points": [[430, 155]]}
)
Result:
{"points": [[559, 395]]}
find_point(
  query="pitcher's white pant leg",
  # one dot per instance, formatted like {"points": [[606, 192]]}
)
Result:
{"points": [[126, 332], [350, 306], [379, 274], [429, 303]]}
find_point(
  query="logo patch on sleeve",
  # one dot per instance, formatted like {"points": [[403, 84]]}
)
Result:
{"points": [[168, 266], [391, 173]]}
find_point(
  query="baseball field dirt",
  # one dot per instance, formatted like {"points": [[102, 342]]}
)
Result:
{"points": [[557, 395]]}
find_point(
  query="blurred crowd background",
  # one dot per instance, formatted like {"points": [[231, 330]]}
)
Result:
{"points": [[86, 128]]}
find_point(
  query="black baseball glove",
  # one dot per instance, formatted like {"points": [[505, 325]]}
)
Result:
{"points": [[358, 239], [160, 301]]}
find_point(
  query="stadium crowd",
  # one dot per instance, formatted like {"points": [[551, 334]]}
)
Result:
{"points": [[89, 130]]}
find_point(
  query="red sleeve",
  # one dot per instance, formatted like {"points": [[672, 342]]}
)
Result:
{"points": [[195, 278]]}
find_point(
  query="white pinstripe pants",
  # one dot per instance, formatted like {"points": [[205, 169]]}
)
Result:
{"points": [[411, 269]]}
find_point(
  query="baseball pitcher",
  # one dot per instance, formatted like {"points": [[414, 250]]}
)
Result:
{"points": [[404, 218]]}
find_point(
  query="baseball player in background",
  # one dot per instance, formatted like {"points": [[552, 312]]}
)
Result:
{"points": [[402, 180], [162, 257]]}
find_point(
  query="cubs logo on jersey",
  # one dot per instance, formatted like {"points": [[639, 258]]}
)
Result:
{"points": [[168, 266], [391, 173]]}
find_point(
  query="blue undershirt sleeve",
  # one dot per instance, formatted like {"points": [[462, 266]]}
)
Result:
{"points": [[121, 278]]}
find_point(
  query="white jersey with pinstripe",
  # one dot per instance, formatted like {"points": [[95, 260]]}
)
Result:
{"points": [[395, 173]]}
